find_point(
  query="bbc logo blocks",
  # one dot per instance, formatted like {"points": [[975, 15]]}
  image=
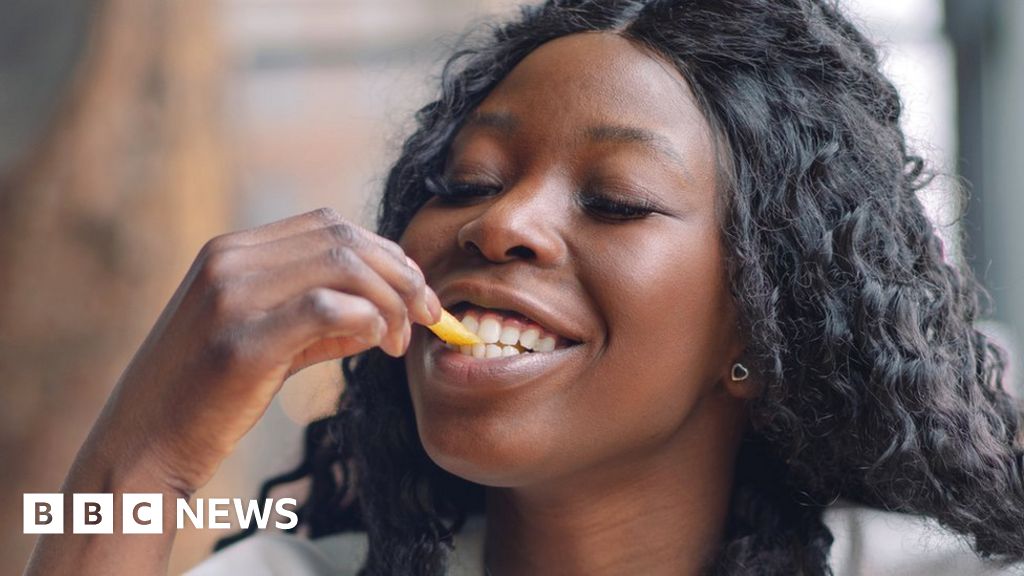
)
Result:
{"points": [[43, 514], [93, 514], [142, 514]]}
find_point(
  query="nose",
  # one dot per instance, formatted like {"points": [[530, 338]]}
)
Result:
{"points": [[522, 223]]}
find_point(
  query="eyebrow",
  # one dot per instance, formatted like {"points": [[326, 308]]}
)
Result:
{"points": [[506, 123]]}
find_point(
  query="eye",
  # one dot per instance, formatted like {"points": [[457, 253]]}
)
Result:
{"points": [[608, 208], [450, 191]]}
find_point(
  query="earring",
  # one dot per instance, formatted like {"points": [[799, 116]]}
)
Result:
{"points": [[739, 372]]}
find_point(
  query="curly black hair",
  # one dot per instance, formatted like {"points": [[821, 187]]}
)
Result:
{"points": [[877, 385]]}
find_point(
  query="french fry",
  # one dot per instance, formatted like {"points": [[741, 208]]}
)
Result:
{"points": [[452, 331]]}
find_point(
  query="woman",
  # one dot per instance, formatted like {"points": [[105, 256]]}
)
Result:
{"points": [[709, 209]]}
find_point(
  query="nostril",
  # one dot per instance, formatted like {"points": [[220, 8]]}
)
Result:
{"points": [[521, 252]]}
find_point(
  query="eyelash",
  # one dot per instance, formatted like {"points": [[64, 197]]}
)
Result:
{"points": [[618, 209], [455, 193], [451, 192]]}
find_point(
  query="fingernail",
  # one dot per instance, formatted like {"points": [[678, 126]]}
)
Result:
{"points": [[433, 305], [396, 343], [414, 265], [406, 337], [423, 313], [429, 309]]}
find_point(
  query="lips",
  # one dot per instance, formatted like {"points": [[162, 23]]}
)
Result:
{"points": [[532, 305], [449, 370], [460, 375]]}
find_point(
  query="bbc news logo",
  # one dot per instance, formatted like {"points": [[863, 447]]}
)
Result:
{"points": [[143, 513]]}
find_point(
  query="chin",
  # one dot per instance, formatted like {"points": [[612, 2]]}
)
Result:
{"points": [[491, 453]]}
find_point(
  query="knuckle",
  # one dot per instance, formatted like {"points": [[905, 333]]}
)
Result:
{"points": [[392, 248], [393, 310], [216, 244], [327, 214], [412, 284], [342, 257], [216, 265], [320, 304], [344, 234]]}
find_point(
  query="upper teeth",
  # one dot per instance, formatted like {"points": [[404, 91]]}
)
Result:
{"points": [[501, 338], [489, 330]]}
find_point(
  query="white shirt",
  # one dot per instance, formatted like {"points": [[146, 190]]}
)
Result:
{"points": [[867, 542]]}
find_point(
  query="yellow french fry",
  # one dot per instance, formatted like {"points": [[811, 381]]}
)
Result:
{"points": [[452, 331]]}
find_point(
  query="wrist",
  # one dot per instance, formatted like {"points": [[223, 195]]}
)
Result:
{"points": [[146, 475], [116, 462]]}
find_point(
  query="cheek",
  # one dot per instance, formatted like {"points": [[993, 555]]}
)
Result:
{"points": [[428, 236], [667, 317], [419, 241]]}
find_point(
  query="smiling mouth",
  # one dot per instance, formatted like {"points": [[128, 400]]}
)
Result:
{"points": [[504, 333]]}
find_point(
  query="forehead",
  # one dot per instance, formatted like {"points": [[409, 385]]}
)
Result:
{"points": [[570, 85]]}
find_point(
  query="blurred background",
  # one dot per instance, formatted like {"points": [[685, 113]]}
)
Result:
{"points": [[131, 131]]}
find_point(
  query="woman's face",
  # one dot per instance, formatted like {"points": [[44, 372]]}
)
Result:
{"points": [[638, 299]]}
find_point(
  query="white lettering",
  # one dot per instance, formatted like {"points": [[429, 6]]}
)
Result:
{"points": [[217, 508], [142, 513], [196, 516], [43, 513], [93, 514], [293, 518], [261, 510]]}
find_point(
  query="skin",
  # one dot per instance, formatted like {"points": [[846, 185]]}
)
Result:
{"points": [[646, 429], [620, 463], [255, 307]]}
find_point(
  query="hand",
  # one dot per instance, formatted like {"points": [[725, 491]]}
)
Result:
{"points": [[255, 307]]}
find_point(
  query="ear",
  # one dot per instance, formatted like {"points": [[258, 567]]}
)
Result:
{"points": [[739, 379]]}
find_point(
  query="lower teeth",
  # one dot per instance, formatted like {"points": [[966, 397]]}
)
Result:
{"points": [[490, 350], [501, 350]]}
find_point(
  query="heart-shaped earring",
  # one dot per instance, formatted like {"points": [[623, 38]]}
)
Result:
{"points": [[739, 372]]}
